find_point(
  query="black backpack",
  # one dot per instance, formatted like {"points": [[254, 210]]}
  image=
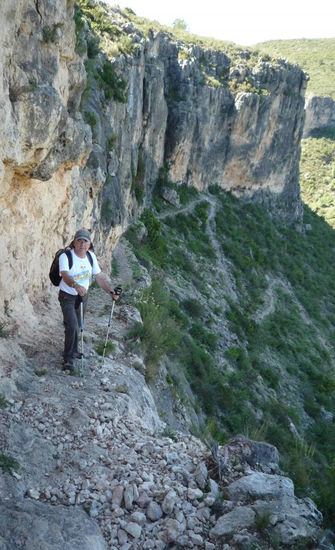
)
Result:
{"points": [[54, 275]]}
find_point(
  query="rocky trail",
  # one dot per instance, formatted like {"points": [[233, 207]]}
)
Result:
{"points": [[95, 468]]}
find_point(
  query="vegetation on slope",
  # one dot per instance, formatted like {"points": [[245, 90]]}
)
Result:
{"points": [[315, 56], [317, 173], [255, 343], [272, 376]]}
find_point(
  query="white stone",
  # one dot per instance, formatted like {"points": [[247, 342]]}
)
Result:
{"points": [[134, 529], [173, 529], [196, 539], [122, 536], [154, 511], [241, 517], [128, 497], [33, 493], [194, 494], [201, 475], [138, 517], [117, 495], [260, 485], [213, 488], [169, 502]]}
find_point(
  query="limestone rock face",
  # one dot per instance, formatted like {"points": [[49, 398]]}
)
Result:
{"points": [[37, 63], [235, 141], [43, 141], [320, 113], [203, 116]]}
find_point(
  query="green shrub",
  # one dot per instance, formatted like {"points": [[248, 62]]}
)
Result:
{"points": [[97, 18], [158, 333], [155, 245], [180, 259], [49, 34], [324, 496], [112, 85], [115, 267], [193, 307], [196, 359], [262, 521], [215, 430], [41, 372], [91, 119], [126, 45], [3, 401], [187, 193], [93, 47], [7, 463], [176, 313], [270, 376], [3, 331], [110, 347], [204, 337]]}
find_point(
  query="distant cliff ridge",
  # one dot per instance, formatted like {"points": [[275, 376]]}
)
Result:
{"points": [[320, 113], [84, 138]]}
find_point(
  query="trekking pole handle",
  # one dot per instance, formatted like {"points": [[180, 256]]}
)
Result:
{"points": [[117, 291]]}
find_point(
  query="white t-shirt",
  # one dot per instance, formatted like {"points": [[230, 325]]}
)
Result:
{"points": [[81, 270]]}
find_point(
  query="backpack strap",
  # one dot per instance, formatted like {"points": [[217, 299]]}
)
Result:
{"points": [[90, 259], [69, 257]]}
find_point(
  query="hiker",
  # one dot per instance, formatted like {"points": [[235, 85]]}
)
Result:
{"points": [[73, 289]]}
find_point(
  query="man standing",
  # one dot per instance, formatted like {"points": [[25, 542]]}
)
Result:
{"points": [[73, 290]]}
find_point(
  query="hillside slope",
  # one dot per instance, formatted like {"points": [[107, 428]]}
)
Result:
{"points": [[248, 307]]}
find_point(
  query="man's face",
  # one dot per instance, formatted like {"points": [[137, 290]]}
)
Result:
{"points": [[80, 245]]}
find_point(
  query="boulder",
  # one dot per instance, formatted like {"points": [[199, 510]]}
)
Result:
{"points": [[260, 486], [38, 526]]}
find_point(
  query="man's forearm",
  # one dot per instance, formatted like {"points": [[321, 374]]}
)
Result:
{"points": [[100, 279]]}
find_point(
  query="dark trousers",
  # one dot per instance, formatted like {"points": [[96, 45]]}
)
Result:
{"points": [[71, 316]]}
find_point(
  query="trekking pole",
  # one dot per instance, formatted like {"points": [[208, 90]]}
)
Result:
{"points": [[118, 292], [82, 333]]}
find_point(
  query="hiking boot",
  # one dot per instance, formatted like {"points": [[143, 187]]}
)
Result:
{"points": [[78, 355], [69, 366]]}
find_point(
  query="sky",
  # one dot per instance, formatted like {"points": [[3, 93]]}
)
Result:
{"points": [[244, 22]]}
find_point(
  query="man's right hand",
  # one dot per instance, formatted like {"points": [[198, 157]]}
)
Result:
{"points": [[80, 289]]}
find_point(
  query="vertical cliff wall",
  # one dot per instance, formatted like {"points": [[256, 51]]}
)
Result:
{"points": [[43, 143], [320, 113], [85, 134]]}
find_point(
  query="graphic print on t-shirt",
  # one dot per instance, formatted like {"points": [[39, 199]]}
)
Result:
{"points": [[83, 274]]}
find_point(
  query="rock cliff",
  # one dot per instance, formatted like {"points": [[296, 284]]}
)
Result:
{"points": [[320, 113], [84, 139]]}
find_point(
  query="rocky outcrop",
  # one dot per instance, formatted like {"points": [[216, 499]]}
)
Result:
{"points": [[320, 114]]}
